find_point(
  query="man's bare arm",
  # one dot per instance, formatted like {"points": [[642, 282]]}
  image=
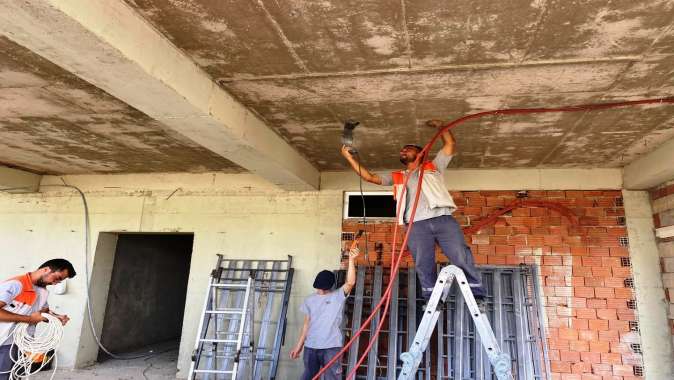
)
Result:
{"points": [[8, 316], [351, 272], [449, 147], [295, 352], [360, 169]]}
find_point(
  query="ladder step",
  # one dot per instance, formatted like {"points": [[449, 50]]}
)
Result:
{"points": [[229, 285], [211, 371], [225, 311], [219, 340]]}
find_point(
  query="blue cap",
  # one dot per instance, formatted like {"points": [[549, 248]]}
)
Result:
{"points": [[325, 280]]}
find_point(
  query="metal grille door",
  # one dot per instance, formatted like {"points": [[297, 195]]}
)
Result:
{"points": [[243, 320], [455, 352]]}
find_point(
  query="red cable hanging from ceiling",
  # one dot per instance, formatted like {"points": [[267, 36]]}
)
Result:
{"points": [[396, 255]]}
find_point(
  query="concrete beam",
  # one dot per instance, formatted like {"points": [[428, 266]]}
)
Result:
{"points": [[504, 179], [109, 45], [18, 181], [664, 232], [652, 169], [656, 342]]}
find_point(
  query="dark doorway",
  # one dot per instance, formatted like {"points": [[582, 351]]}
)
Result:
{"points": [[146, 299]]}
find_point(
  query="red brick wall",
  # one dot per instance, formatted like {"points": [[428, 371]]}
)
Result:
{"points": [[662, 217], [582, 276]]}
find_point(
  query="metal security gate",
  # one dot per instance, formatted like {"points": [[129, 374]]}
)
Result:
{"points": [[455, 352], [242, 291]]}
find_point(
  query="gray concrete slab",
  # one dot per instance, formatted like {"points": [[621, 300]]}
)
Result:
{"points": [[162, 366]]}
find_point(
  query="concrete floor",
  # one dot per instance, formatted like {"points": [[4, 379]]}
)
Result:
{"points": [[162, 366]]}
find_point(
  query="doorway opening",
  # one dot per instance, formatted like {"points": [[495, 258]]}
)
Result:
{"points": [[146, 297]]}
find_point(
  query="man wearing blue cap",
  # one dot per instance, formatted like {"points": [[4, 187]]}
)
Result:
{"points": [[321, 336]]}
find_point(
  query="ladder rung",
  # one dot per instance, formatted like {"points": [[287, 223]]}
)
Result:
{"points": [[229, 285], [219, 340], [211, 371], [225, 311]]}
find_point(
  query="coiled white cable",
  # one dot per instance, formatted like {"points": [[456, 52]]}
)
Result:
{"points": [[31, 347]]}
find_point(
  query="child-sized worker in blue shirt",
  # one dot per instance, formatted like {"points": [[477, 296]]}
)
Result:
{"points": [[321, 336]]}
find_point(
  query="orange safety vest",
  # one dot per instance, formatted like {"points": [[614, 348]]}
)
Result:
{"points": [[432, 188], [28, 296], [399, 176], [22, 304]]}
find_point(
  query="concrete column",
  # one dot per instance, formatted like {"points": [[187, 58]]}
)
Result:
{"points": [[656, 340], [18, 181]]}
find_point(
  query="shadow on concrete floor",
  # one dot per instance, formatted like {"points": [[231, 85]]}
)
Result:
{"points": [[159, 367]]}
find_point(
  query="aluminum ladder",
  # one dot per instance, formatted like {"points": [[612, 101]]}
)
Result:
{"points": [[411, 359], [242, 295]]}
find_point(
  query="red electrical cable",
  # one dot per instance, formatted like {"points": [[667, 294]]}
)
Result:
{"points": [[396, 259], [492, 218]]}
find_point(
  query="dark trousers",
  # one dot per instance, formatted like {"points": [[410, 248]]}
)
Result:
{"points": [[446, 232], [5, 361], [315, 359]]}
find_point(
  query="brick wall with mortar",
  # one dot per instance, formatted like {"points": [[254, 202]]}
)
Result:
{"points": [[662, 198], [585, 276]]}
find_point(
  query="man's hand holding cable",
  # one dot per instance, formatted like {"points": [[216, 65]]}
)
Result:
{"points": [[35, 318], [447, 137]]}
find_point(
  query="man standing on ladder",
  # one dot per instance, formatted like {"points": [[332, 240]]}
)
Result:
{"points": [[433, 220]]}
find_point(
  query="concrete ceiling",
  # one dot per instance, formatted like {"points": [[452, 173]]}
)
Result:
{"points": [[53, 122], [305, 66]]}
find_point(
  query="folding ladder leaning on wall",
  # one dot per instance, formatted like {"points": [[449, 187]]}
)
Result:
{"points": [[243, 322]]}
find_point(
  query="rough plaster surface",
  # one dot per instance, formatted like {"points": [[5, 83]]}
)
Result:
{"points": [[307, 66], [303, 67], [102, 41], [651, 305], [51, 121]]}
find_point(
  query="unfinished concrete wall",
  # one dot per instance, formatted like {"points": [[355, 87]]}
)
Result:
{"points": [[237, 215], [147, 291], [662, 201]]}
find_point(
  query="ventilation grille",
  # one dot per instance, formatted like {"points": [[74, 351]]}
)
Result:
{"points": [[636, 348], [348, 236], [618, 202], [625, 262], [621, 220], [624, 241], [638, 370], [629, 283], [634, 326], [632, 304]]}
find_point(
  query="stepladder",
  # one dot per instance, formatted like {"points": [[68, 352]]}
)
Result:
{"points": [[500, 361], [242, 325]]}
